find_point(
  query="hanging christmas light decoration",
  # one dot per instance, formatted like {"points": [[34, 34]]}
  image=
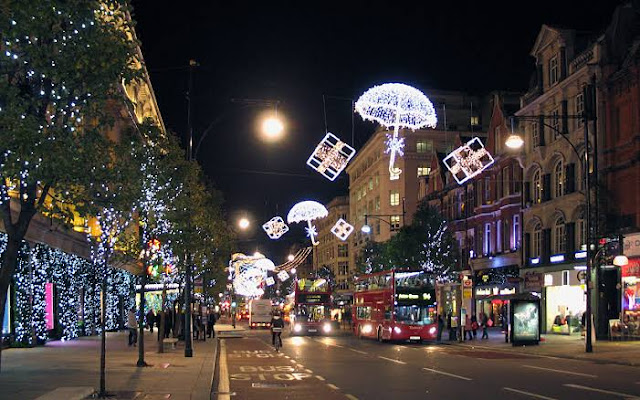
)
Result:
{"points": [[342, 229], [396, 105], [270, 281], [275, 227], [248, 273], [307, 211], [283, 276], [468, 160], [331, 156]]}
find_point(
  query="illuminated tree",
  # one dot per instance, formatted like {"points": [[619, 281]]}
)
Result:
{"points": [[62, 66]]}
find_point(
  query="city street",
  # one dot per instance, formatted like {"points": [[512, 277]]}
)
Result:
{"points": [[346, 367]]}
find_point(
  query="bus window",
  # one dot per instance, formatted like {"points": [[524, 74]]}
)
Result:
{"points": [[364, 312], [387, 313]]}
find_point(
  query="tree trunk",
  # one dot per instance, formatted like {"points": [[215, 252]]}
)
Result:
{"points": [[9, 264], [103, 333]]}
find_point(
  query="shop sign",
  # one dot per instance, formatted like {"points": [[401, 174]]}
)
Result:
{"points": [[466, 293], [632, 268], [533, 280], [412, 296], [312, 298], [495, 291], [632, 245], [467, 283]]}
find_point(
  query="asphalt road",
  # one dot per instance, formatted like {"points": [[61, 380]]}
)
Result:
{"points": [[347, 367]]}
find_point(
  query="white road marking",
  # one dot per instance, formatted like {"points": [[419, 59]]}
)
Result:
{"points": [[447, 374], [350, 397], [561, 371], [223, 385], [319, 377], [359, 351], [332, 386], [392, 360], [537, 396], [625, 395], [328, 344]]}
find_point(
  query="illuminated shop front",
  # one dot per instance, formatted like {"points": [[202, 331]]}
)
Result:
{"points": [[564, 301], [631, 296], [493, 287]]}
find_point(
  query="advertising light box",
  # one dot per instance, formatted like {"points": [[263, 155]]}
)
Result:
{"points": [[525, 317]]}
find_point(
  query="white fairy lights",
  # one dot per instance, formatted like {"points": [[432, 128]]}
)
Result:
{"points": [[342, 229], [396, 105], [275, 227], [331, 156], [307, 211], [468, 160]]}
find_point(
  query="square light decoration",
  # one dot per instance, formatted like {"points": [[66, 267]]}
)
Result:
{"points": [[283, 276], [275, 227], [342, 229], [270, 281], [331, 156], [468, 160]]}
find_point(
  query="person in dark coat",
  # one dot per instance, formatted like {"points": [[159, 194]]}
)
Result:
{"points": [[440, 326], [211, 321]]}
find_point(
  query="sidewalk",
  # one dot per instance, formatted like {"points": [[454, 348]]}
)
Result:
{"points": [[561, 346], [30, 373]]}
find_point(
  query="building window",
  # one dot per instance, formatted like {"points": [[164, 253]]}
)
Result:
{"points": [[555, 123], [395, 222], [506, 181], [394, 198], [343, 284], [423, 146], [536, 248], [537, 187], [515, 241], [535, 134], [559, 237], [497, 142], [377, 203], [566, 278], [474, 121], [370, 184], [506, 240], [487, 238], [558, 176], [343, 268], [581, 234], [376, 178], [579, 108], [423, 171], [343, 250], [499, 236], [553, 70], [487, 190]]}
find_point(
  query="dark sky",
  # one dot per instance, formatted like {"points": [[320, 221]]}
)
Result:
{"points": [[296, 52]]}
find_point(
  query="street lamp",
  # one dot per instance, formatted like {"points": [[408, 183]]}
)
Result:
{"points": [[243, 223], [272, 128], [515, 141]]}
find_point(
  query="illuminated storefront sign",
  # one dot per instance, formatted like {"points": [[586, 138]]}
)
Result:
{"points": [[557, 258], [412, 296], [494, 291]]}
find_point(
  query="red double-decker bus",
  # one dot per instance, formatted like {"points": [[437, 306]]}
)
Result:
{"points": [[309, 312], [392, 305]]}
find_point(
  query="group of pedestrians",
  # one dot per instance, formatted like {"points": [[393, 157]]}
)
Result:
{"points": [[470, 326]]}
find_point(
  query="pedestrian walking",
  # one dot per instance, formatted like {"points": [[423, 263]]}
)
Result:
{"points": [[211, 322], [484, 321], [151, 319], [474, 326], [132, 326], [466, 328], [440, 326]]}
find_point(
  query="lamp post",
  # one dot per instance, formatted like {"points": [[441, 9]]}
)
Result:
{"points": [[515, 141]]}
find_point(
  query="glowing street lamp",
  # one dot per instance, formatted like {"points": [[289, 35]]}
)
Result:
{"points": [[243, 223], [272, 128], [514, 142], [365, 228]]}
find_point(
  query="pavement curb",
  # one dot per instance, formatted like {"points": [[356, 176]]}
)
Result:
{"points": [[565, 356]]}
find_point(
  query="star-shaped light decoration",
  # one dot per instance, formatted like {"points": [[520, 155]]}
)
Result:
{"points": [[283, 276], [468, 160], [275, 227], [311, 231], [342, 229], [331, 156]]}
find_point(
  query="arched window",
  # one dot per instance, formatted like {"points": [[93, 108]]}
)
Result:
{"points": [[536, 249], [559, 237], [536, 182], [581, 233], [558, 176]]}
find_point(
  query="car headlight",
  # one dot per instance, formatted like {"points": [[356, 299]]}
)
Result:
{"points": [[367, 329], [397, 329], [297, 328], [326, 327], [432, 330]]}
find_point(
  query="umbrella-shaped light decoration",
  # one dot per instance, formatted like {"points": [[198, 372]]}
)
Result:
{"points": [[307, 211], [396, 105]]}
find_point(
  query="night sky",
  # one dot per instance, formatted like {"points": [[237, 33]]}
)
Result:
{"points": [[297, 52]]}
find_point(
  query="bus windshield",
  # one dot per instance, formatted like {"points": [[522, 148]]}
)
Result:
{"points": [[415, 314], [310, 312]]}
